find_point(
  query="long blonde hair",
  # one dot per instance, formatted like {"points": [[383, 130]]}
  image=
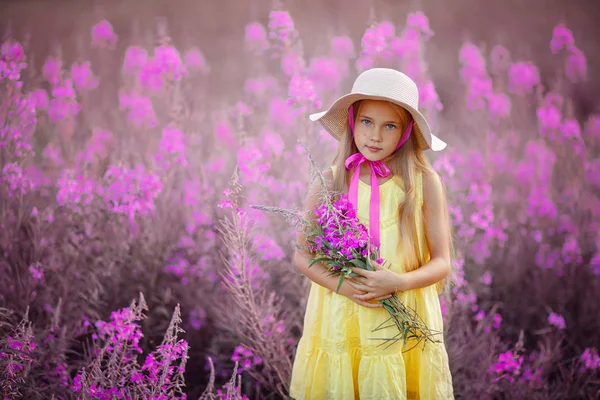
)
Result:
{"points": [[408, 161]]}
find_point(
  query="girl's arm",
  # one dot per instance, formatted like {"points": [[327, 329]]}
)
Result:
{"points": [[437, 227], [317, 273]]}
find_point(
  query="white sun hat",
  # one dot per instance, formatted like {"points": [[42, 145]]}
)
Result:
{"points": [[380, 84]]}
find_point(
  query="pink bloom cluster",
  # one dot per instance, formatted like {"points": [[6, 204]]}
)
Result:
{"points": [[139, 109], [171, 148], [131, 191], [245, 357], [576, 65], [256, 38], [103, 35]]}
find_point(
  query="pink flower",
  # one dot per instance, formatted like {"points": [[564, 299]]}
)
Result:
{"points": [[256, 38], [139, 108], [194, 60], [83, 76], [562, 38], [292, 63], [224, 134], [63, 105], [281, 113], [342, 46], [486, 279], [171, 146], [135, 59], [428, 97], [549, 118], [39, 99], [13, 51], [523, 77], [281, 27], [499, 104], [556, 320], [419, 22], [51, 70], [326, 72], [302, 92], [103, 35]]}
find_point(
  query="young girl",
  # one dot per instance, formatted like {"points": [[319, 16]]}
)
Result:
{"points": [[381, 164]]}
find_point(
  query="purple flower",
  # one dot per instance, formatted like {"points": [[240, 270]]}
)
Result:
{"points": [[103, 35], [52, 70], [83, 76], [562, 38], [256, 37], [523, 77], [342, 46], [139, 108], [135, 59], [194, 60], [171, 147], [556, 320]]}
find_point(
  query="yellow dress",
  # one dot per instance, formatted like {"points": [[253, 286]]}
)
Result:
{"points": [[337, 356]]}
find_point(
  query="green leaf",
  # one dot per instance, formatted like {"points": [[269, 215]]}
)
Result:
{"points": [[318, 260], [340, 283], [358, 263]]}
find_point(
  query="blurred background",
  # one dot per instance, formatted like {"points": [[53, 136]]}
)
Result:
{"points": [[216, 27], [137, 134]]}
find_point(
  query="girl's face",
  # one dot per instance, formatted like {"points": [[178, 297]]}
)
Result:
{"points": [[377, 130]]}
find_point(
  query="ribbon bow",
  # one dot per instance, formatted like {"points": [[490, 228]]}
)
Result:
{"points": [[378, 168]]}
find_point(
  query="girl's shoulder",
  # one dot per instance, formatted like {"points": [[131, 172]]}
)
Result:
{"points": [[432, 188]]}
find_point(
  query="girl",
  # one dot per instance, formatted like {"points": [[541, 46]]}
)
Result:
{"points": [[381, 164]]}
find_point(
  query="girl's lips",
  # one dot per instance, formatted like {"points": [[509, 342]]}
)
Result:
{"points": [[374, 149]]}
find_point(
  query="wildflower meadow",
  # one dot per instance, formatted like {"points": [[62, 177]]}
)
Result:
{"points": [[133, 265]]}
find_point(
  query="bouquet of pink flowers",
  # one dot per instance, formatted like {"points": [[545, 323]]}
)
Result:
{"points": [[338, 240]]}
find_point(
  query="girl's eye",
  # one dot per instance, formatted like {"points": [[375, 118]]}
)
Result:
{"points": [[365, 122], [390, 126]]}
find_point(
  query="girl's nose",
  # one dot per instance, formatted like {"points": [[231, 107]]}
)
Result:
{"points": [[376, 135]]}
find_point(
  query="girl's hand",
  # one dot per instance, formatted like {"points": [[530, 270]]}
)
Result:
{"points": [[375, 284], [356, 296]]}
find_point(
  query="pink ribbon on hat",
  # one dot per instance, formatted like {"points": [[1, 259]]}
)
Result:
{"points": [[378, 168]]}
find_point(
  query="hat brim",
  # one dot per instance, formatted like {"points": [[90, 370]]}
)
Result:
{"points": [[335, 119]]}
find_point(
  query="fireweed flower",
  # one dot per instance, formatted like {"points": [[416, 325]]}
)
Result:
{"points": [[171, 148], [508, 367], [103, 35], [195, 61], [342, 47], [326, 72], [83, 77], [281, 29], [131, 191], [562, 38], [419, 21], [523, 77], [139, 109], [15, 179], [64, 103], [39, 99], [557, 320], [51, 70], [576, 68], [256, 38], [135, 59], [302, 92], [590, 360], [165, 65]]}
